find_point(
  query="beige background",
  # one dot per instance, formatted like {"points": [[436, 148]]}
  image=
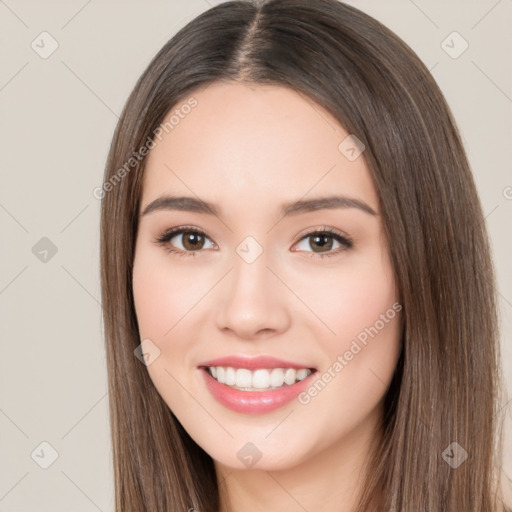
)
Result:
{"points": [[57, 119]]}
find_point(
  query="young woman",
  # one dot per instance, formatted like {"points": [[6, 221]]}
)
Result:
{"points": [[299, 299]]}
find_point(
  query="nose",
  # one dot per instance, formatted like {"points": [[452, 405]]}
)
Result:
{"points": [[252, 302]]}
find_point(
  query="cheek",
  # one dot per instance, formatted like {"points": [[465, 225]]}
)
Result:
{"points": [[168, 299], [348, 298], [163, 297], [163, 294], [358, 363], [360, 306]]}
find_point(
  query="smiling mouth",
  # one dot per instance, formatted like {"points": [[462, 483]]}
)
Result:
{"points": [[261, 379]]}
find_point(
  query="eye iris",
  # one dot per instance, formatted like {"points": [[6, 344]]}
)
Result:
{"points": [[196, 240], [324, 241]]}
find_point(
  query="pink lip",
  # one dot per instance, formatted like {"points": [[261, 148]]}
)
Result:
{"points": [[253, 363], [253, 402]]}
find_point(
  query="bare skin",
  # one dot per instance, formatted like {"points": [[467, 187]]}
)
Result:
{"points": [[248, 150]]}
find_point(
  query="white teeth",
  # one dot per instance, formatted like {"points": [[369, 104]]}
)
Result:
{"points": [[243, 378], [221, 374], [276, 377], [261, 379], [302, 374], [230, 377], [257, 380], [289, 376]]}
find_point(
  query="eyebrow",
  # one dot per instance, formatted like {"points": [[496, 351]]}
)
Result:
{"points": [[192, 204]]}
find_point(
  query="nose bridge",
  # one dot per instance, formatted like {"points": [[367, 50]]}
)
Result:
{"points": [[252, 298]]}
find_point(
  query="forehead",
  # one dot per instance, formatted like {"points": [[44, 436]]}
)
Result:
{"points": [[252, 144]]}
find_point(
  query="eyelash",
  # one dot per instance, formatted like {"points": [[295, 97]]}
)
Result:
{"points": [[166, 236]]}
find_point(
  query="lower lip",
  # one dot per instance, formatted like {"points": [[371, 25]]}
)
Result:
{"points": [[254, 402]]}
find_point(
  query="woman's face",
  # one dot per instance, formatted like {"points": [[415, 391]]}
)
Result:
{"points": [[308, 288]]}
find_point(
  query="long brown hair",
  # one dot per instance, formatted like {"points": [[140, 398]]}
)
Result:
{"points": [[447, 385]]}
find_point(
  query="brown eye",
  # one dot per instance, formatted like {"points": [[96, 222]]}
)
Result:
{"points": [[185, 241], [192, 241], [321, 243]]}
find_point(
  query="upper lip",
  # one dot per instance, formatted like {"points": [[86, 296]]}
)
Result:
{"points": [[253, 363]]}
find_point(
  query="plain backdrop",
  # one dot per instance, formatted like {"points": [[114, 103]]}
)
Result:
{"points": [[58, 114]]}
